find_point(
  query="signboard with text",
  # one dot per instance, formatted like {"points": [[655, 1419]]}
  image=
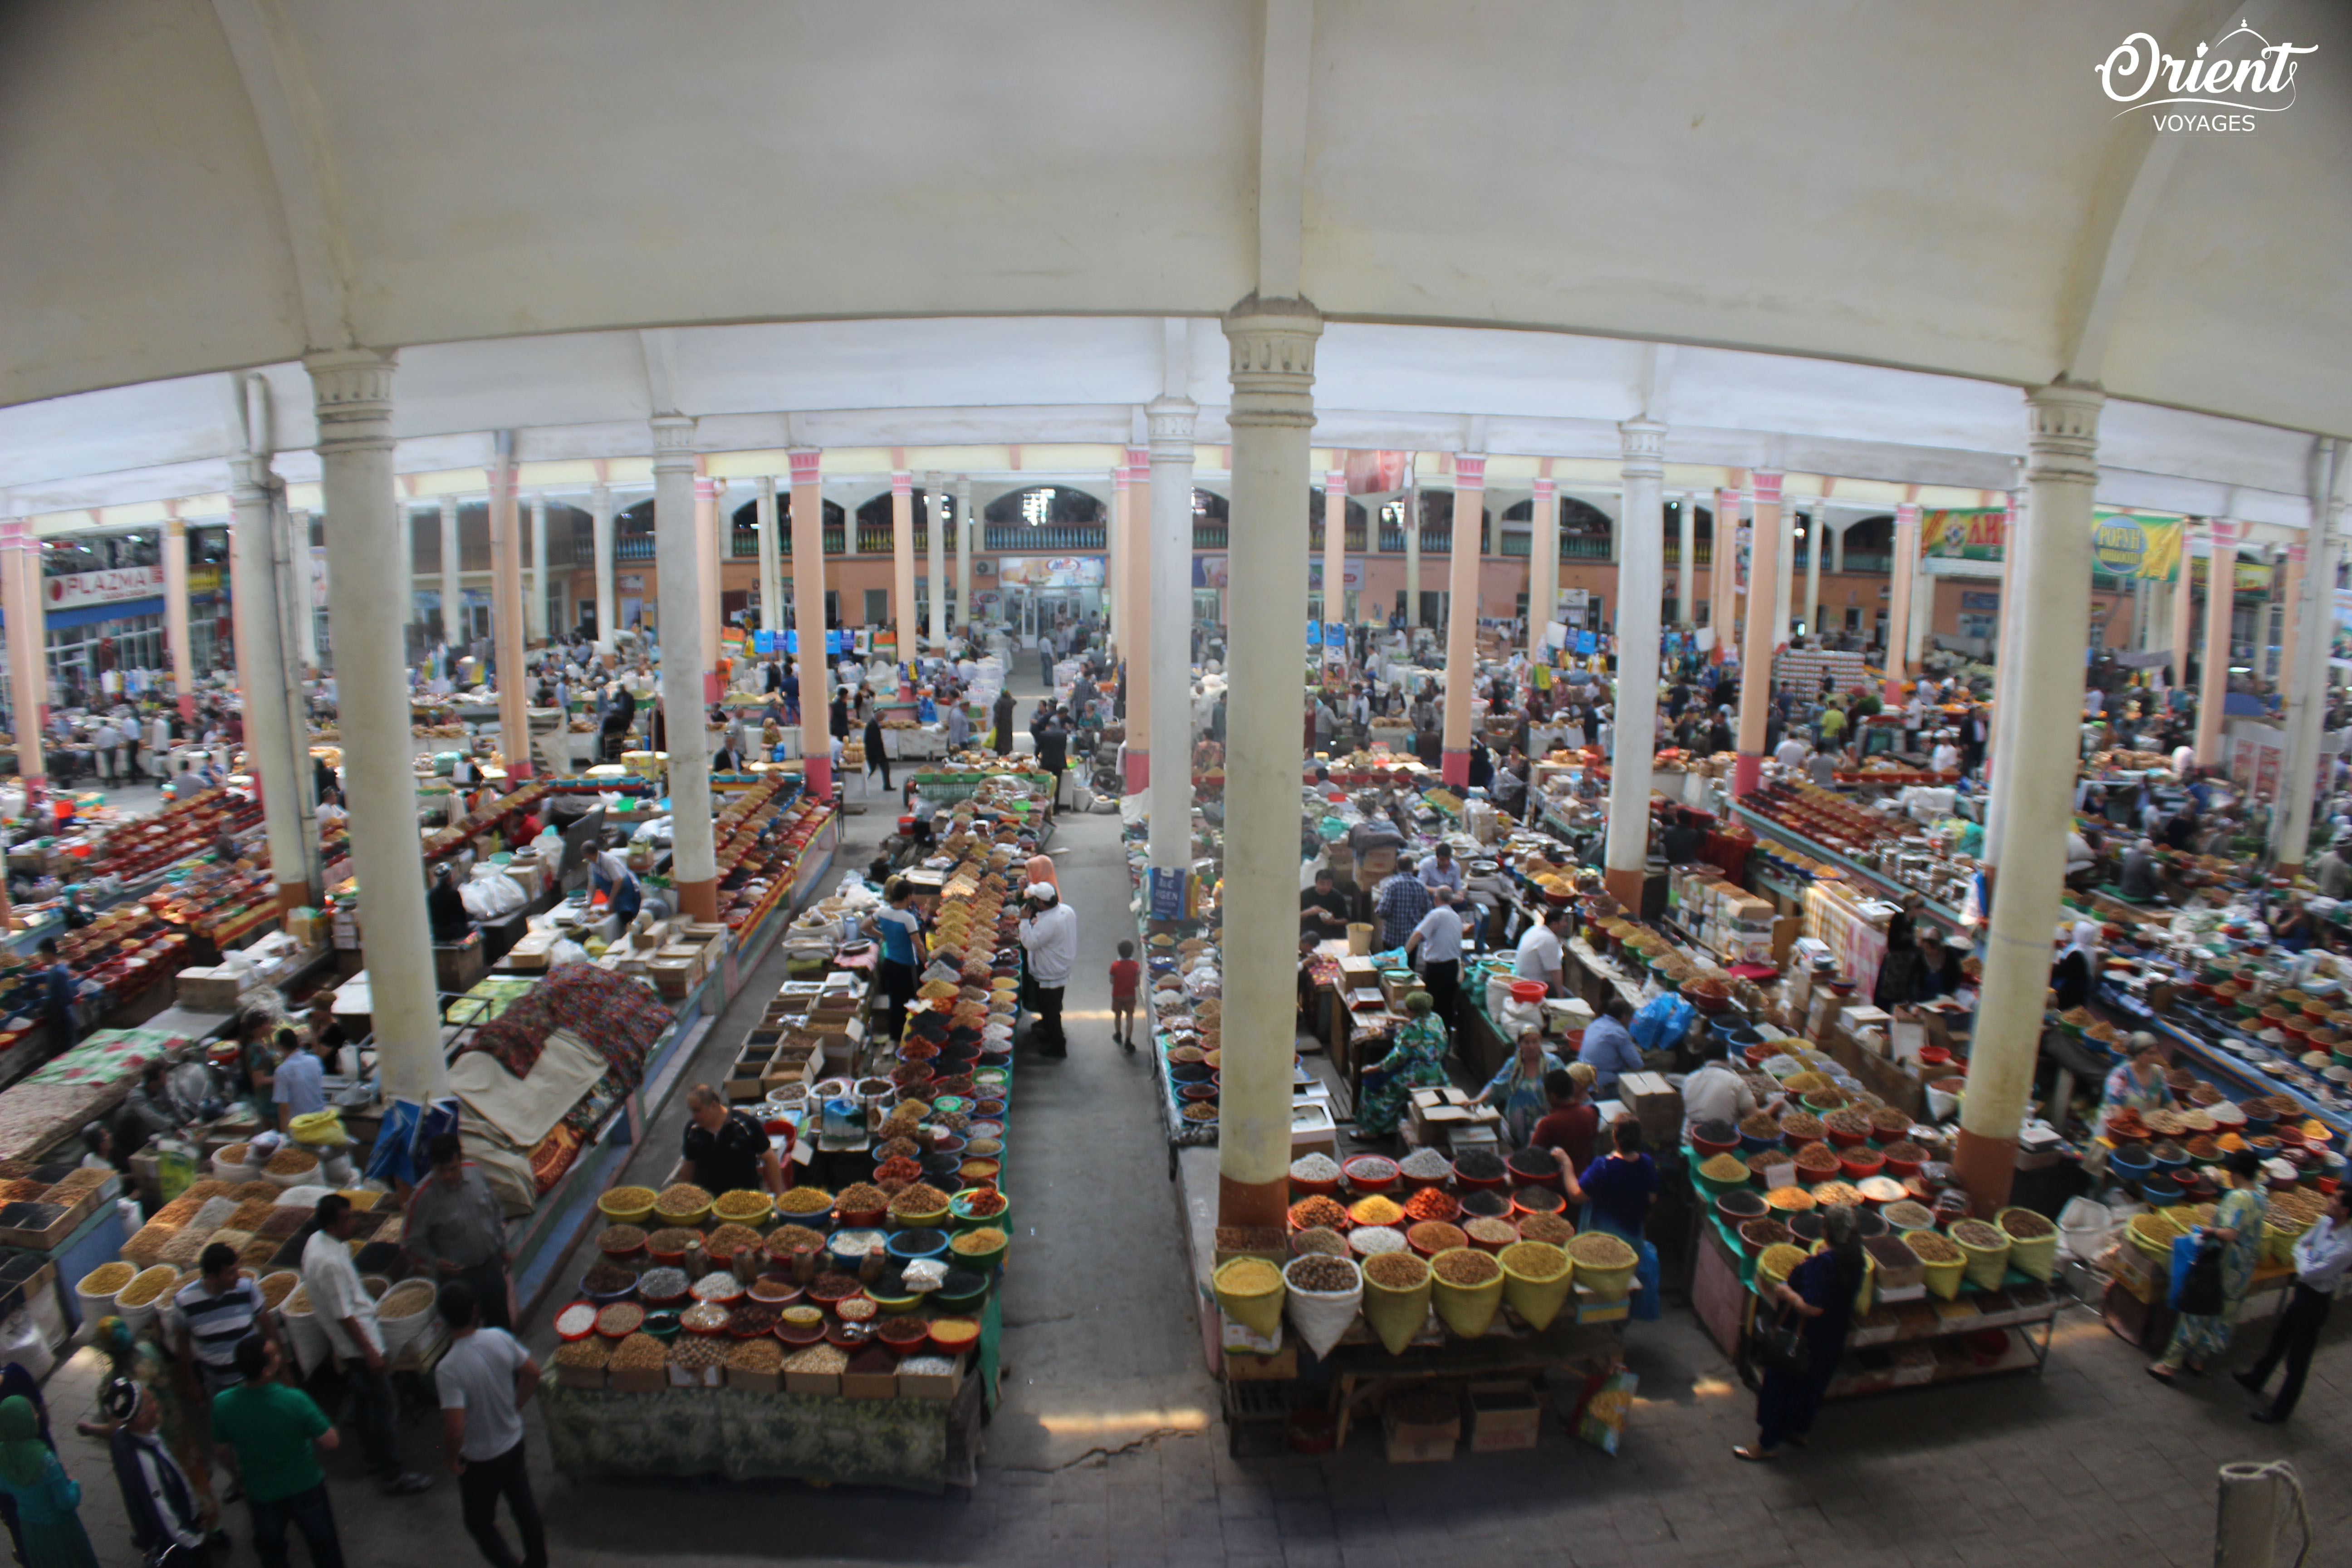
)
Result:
{"points": [[111, 586]]}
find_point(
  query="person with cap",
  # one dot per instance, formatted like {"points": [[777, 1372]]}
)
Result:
{"points": [[2333, 870], [342, 1305], [455, 1228], [484, 1380], [166, 1517], [2237, 1226], [1947, 756], [1049, 935], [2322, 1254]]}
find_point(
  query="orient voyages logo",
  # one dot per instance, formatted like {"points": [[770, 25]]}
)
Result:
{"points": [[2245, 73]]}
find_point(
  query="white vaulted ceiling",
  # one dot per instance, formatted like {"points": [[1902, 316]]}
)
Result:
{"points": [[929, 221]]}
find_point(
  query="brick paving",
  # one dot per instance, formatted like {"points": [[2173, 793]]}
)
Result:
{"points": [[1106, 1449]]}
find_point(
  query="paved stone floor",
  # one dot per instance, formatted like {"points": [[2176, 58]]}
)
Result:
{"points": [[1107, 1448]]}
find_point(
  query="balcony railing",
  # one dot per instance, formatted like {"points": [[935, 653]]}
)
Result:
{"points": [[1583, 547], [1208, 536], [1522, 544], [1355, 536], [634, 547], [1046, 539]]}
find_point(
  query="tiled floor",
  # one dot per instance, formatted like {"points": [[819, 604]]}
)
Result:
{"points": [[1106, 1449]]}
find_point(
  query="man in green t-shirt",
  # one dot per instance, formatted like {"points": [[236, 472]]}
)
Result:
{"points": [[1833, 725], [277, 1434]]}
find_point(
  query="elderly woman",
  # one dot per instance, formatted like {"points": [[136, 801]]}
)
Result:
{"points": [[2136, 1084], [1517, 1089], [2077, 969], [2237, 1224], [1417, 1060], [1820, 1291]]}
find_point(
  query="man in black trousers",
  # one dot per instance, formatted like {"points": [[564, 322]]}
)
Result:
{"points": [[2321, 1256]]}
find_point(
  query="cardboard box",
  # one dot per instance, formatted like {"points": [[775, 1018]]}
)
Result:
{"points": [[696, 1376], [931, 1384], [826, 1383], [1656, 1104], [580, 1376], [1411, 1443], [1280, 1367], [639, 1379], [869, 1385], [672, 977], [207, 990], [1502, 1415]]}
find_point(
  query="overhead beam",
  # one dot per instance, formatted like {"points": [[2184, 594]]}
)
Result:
{"points": [[1283, 76], [286, 110]]}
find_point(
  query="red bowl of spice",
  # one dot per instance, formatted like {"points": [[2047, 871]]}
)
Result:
{"points": [[903, 1332], [951, 1336], [1432, 1237], [1432, 1203]]}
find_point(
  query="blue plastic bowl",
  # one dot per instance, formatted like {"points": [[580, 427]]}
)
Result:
{"points": [[909, 1246], [2160, 1194]]}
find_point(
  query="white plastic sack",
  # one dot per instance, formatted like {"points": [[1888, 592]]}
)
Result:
{"points": [[2085, 1227], [491, 895], [1321, 1316], [21, 1341]]}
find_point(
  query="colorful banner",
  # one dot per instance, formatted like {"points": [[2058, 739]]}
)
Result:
{"points": [[1050, 571], [2253, 577], [2122, 544]]}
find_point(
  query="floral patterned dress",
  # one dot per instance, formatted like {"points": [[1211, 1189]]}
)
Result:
{"points": [[1416, 1061], [2199, 1340]]}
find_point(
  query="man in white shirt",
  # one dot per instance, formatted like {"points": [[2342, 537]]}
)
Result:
{"points": [[1947, 757], [484, 1380], [1049, 935], [1438, 940], [103, 744], [342, 1307], [2322, 1254], [1790, 753], [1442, 871], [1540, 955], [1716, 1093]]}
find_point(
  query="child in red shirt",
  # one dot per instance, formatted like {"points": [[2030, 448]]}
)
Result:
{"points": [[1125, 974]]}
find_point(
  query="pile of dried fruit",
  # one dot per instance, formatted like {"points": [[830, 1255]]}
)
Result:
{"points": [[1432, 1203], [639, 1353], [804, 1200], [1396, 1270], [682, 1198], [756, 1355], [1318, 1211], [1318, 1273], [591, 1352]]}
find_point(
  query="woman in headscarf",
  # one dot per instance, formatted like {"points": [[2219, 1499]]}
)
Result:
{"points": [[1517, 1089], [1040, 869], [1820, 1291], [613, 877], [45, 1496], [1417, 1060], [2078, 967], [2237, 1224], [2136, 1084]]}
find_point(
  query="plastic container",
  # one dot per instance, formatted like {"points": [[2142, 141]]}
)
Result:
{"points": [[1363, 1176]]}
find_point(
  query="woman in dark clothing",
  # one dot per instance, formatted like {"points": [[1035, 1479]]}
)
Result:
{"points": [[1822, 1292], [876, 756], [1904, 977], [840, 714], [1482, 764], [2078, 968], [446, 910], [1002, 742]]}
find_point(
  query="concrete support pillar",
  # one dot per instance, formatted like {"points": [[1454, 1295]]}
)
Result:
{"points": [[508, 620], [902, 560], [353, 393], [1722, 572], [808, 619], [1816, 536], [1462, 613], [1411, 556], [600, 539], [1273, 411], [1116, 524], [935, 563], [1135, 635], [453, 622], [2184, 603], [175, 616], [1837, 561], [2221, 598], [772, 569], [1686, 558], [1898, 609], [2054, 574], [1543, 566], [262, 676], [712, 539], [28, 665], [1784, 601], [1641, 574], [962, 618], [1764, 599], [1334, 546], [1169, 704], [682, 507], [2307, 710], [2007, 671], [1923, 607], [534, 605]]}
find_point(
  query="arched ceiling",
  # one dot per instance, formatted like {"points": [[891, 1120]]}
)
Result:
{"points": [[194, 185]]}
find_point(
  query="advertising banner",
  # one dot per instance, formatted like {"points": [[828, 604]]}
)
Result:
{"points": [[1050, 571], [112, 586], [2123, 544]]}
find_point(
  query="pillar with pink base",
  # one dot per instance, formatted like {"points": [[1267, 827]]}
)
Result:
{"points": [[176, 616], [1462, 613], [1136, 617], [1763, 623], [808, 621], [1641, 585], [1898, 609], [678, 537], [2213, 674], [28, 682]]}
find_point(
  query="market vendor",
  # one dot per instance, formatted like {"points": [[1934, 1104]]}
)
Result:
{"points": [[1716, 1093], [1540, 955], [55, 979], [1572, 1127], [1416, 1060], [726, 1151], [300, 1087], [455, 1227], [2138, 1083], [899, 929], [2077, 968], [1516, 1090], [2333, 870], [613, 877], [1608, 1046], [1323, 907]]}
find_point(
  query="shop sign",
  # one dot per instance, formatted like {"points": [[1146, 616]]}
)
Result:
{"points": [[629, 583], [1980, 601], [2253, 577], [111, 586], [1351, 574], [1050, 571], [204, 579]]}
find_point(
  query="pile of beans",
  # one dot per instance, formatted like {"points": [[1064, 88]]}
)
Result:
{"points": [[1315, 1273], [1396, 1270], [1467, 1268]]}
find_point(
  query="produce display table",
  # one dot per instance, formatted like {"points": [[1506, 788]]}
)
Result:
{"points": [[1363, 1372], [918, 1444]]}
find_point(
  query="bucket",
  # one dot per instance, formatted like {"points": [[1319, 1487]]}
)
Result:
{"points": [[1396, 1313], [1536, 1279], [1359, 938], [1259, 1309]]}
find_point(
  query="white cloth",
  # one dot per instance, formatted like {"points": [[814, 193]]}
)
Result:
{"points": [[1538, 955], [477, 1375], [1051, 940], [336, 1293], [1440, 936]]}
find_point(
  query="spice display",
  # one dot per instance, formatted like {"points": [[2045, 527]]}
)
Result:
{"points": [[850, 1243], [682, 1198], [1817, 1157], [1249, 1276], [1548, 1227], [1318, 1239], [1422, 1165], [1368, 1168], [276, 1288], [818, 1358], [756, 1355], [1795, 1199], [1763, 1233], [575, 1320], [291, 1161], [1757, 1124], [662, 1284], [892, 1174], [1309, 1213], [1316, 1168], [1467, 1266], [921, 1198], [1908, 1215], [639, 1353], [926, 1366], [1480, 1165], [672, 1240], [715, 1287], [2024, 1225], [750, 1318], [986, 1240], [606, 1277], [857, 1310], [1534, 1260], [903, 1330], [1373, 1239], [703, 1318], [592, 1353], [804, 1200], [1976, 1232], [248, 1214], [1491, 1231], [621, 1238], [1829, 1194], [1436, 1235], [724, 1241], [740, 1203], [1855, 1123], [620, 1320], [833, 1286], [787, 1239], [1931, 1248], [1249, 1238], [1375, 1210], [1799, 1128], [862, 1197], [1318, 1273], [984, 1203], [1724, 1168], [406, 1300], [147, 1285], [1396, 1270], [1431, 1203], [1599, 1249]]}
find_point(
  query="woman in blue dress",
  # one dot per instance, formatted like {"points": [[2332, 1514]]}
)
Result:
{"points": [[1820, 1290], [2237, 1224], [1517, 1089]]}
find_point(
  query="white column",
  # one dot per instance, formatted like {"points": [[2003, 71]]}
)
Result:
{"points": [[261, 675], [963, 526], [682, 507], [1411, 555], [29, 673], [902, 561], [1462, 613], [713, 538], [353, 393], [1170, 656], [1923, 607], [1686, 558], [1335, 544], [1135, 643], [1765, 605], [452, 626], [935, 560], [1784, 606], [1272, 346], [1543, 565], [300, 612], [1837, 561], [600, 535], [404, 525], [808, 620], [2007, 672], [2307, 710], [507, 618], [771, 568], [1898, 609], [2054, 575], [1641, 585], [175, 616], [2220, 600], [2184, 602], [1723, 573], [534, 609], [1816, 537]]}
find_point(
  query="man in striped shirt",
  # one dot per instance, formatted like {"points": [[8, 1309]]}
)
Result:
{"points": [[212, 1312]]}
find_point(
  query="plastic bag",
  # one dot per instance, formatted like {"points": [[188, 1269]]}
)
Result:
{"points": [[1322, 1316], [1661, 1021], [489, 894], [1607, 1400]]}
